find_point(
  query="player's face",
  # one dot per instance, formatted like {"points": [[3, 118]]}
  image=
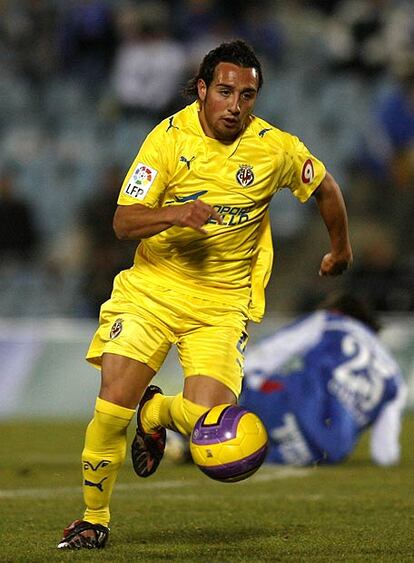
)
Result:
{"points": [[228, 102]]}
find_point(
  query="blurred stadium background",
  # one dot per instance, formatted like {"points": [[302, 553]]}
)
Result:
{"points": [[83, 81]]}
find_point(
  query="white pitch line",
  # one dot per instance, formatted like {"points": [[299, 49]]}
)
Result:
{"points": [[48, 492], [270, 474], [276, 473]]}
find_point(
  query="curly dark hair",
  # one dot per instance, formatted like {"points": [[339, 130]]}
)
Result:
{"points": [[237, 52], [352, 305]]}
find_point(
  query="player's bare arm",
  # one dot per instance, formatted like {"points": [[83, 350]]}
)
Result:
{"points": [[133, 222], [331, 206]]}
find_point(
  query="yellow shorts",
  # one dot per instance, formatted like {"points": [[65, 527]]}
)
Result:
{"points": [[142, 323]]}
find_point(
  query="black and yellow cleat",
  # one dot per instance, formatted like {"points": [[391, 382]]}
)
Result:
{"points": [[84, 535], [147, 449]]}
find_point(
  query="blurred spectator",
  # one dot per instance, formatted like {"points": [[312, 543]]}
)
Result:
{"points": [[356, 36], [104, 255], [259, 27], [325, 6], [396, 120], [399, 33], [150, 65], [197, 18], [201, 26], [87, 256], [382, 272], [378, 274], [388, 151], [87, 41], [18, 234], [28, 38]]}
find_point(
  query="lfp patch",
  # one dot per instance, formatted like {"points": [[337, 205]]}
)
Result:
{"points": [[140, 181]]}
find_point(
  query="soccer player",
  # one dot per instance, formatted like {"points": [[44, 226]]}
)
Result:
{"points": [[321, 381], [196, 197]]}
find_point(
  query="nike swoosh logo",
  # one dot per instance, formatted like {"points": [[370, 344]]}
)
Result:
{"points": [[191, 197]]}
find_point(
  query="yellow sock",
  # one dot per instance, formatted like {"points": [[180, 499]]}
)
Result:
{"points": [[103, 455], [173, 412], [184, 414], [156, 413]]}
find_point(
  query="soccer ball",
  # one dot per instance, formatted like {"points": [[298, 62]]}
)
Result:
{"points": [[228, 443]]}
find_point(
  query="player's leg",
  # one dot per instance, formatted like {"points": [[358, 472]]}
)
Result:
{"points": [[207, 391], [181, 412], [123, 381], [212, 358], [129, 348], [210, 338]]}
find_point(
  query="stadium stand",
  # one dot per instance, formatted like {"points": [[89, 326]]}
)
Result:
{"points": [[59, 133]]}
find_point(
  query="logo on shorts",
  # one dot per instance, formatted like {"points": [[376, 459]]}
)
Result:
{"points": [[116, 329], [245, 175]]}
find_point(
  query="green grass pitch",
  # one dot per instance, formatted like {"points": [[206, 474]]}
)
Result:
{"points": [[351, 512]]}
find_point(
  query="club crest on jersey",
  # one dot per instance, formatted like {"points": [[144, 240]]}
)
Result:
{"points": [[245, 175], [116, 329]]}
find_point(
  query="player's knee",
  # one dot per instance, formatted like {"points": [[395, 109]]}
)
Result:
{"points": [[185, 414], [207, 391]]}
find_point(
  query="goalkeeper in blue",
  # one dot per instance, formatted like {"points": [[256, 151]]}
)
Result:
{"points": [[321, 381]]}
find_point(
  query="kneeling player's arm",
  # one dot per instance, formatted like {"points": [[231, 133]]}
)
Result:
{"points": [[132, 222]]}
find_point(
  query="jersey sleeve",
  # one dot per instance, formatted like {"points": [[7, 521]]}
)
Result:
{"points": [[261, 270], [385, 445], [148, 176], [304, 172]]}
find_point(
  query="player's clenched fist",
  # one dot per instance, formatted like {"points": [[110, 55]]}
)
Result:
{"points": [[334, 265], [194, 214]]}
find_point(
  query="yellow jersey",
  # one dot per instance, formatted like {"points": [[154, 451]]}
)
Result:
{"points": [[178, 163]]}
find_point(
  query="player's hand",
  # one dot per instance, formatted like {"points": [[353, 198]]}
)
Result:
{"points": [[335, 264], [194, 214]]}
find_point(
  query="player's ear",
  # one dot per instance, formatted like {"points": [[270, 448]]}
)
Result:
{"points": [[201, 89]]}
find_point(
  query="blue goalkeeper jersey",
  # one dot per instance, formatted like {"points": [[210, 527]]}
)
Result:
{"points": [[317, 384]]}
